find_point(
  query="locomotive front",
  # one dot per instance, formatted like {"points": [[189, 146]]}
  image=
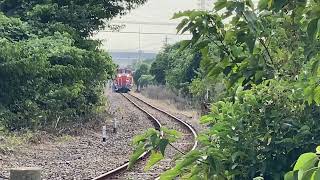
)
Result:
{"points": [[124, 80]]}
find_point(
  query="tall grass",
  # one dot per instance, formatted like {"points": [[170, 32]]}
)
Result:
{"points": [[165, 94]]}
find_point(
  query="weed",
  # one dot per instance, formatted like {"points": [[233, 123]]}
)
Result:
{"points": [[64, 138]]}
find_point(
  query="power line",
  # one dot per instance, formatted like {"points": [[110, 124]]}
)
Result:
{"points": [[150, 33], [146, 23]]}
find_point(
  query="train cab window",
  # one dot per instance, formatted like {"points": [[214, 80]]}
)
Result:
{"points": [[121, 71], [128, 71]]}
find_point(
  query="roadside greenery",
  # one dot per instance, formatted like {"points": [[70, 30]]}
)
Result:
{"points": [[141, 76], [175, 68], [51, 73], [266, 57], [79, 18], [306, 167]]}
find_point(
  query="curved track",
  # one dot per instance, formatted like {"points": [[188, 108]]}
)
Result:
{"points": [[159, 118]]}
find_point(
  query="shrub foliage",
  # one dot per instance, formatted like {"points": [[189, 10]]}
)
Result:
{"points": [[266, 57], [51, 73]]}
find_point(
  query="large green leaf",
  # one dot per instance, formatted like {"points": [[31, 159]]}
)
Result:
{"points": [[279, 4], [187, 160], [250, 4], [153, 159], [220, 4], [317, 95], [307, 175], [316, 175], [136, 154], [289, 176], [315, 66], [181, 14], [170, 174], [305, 161], [182, 24], [162, 145], [263, 4], [312, 28]]}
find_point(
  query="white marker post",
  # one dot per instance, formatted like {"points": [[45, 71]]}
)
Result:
{"points": [[104, 133], [115, 125]]}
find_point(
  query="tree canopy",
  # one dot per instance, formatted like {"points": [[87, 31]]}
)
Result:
{"points": [[78, 16], [176, 68], [266, 55], [51, 73]]}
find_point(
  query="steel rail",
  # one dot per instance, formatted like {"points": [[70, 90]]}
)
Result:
{"points": [[188, 126], [157, 125]]}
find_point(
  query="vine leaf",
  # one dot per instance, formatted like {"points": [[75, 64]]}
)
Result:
{"points": [[220, 4], [305, 161], [316, 175], [154, 158], [312, 28], [188, 160], [162, 145], [135, 156], [263, 4]]}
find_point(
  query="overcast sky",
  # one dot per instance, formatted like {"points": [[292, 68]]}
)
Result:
{"points": [[155, 11]]}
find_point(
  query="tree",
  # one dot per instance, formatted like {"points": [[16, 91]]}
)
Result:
{"points": [[176, 68], [268, 58], [161, 64], [84, 17], [79, 18], [249, 49], [45, 80], [50, 72], [145, 80], [142, 70]]}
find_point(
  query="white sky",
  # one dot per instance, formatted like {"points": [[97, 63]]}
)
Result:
{"points": [[155, 11]]}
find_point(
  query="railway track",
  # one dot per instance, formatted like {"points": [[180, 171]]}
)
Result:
{"points": [[159, 118]]}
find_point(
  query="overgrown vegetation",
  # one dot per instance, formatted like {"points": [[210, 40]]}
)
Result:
{"points": [[181, 69], [141, 76], [266, 57], [306, 167], [51, 73], [175, 68]]}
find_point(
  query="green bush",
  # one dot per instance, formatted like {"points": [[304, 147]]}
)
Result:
{"points": [[307, 167], [45, 81], [261, 131]]}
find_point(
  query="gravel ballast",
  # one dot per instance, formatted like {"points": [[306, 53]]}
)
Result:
{"points": [[82, 156], [183, 144]]}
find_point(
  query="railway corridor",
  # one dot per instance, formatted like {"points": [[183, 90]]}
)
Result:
{"points": [[183, 145]]}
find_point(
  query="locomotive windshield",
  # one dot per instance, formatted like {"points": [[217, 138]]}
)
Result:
{"points": [[124, 71], [128, 71], [121, 71]]}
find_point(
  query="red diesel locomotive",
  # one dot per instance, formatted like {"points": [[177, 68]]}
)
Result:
{"points": [[124, 80]]}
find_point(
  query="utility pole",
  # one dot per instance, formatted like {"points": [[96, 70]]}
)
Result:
{"points": [[139, 43], [203, 4], [166, 41]]}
